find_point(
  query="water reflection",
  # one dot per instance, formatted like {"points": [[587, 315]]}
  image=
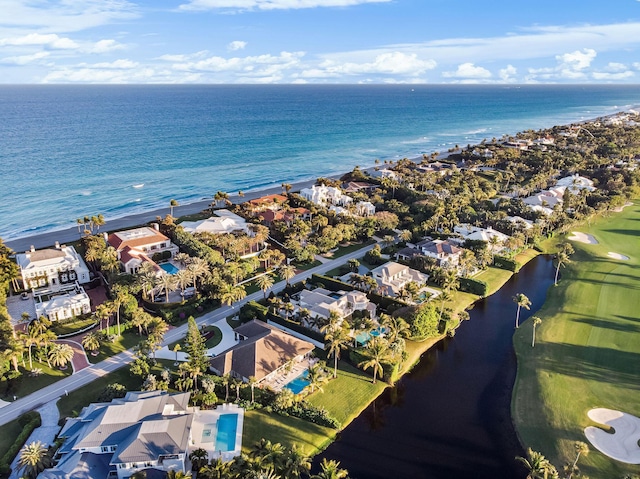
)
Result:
{"points": [[449, 418]]}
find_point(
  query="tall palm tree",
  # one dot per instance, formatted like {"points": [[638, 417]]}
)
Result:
{"points": [[60, 355], [199, 269], [252, 384], [166, 283], [264, 282], [562, 258], [103, 311], [229, 294], [287, 271], [176, 474], [296, 464], [523, 302], [30, 338], [34, 458], [317, 377], [183, 279], [535, 322], [120, 296], [581, 449], [377, 351], [172, 205], [337, 340]]}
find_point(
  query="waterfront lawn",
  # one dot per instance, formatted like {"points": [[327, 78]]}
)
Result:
{"points": [[587, 351], [287, 431], [346, 396]]}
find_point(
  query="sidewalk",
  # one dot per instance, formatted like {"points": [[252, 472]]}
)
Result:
{"points": [[46, 433]]}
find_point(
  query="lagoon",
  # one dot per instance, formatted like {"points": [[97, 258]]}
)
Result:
{"points": [[449, 418]]}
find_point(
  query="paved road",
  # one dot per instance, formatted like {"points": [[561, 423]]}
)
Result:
{"points": [[85, 376]]}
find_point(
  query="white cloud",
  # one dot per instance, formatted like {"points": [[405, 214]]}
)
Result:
{"points": [[64, 15], [244, 5], [508, 73], [468, 70], [50, 40], [395, 63], [578, 60], [122, 64], [24, 59], [236, 45], [105, 46], [178, 58], [608, 76], [614, 67]]}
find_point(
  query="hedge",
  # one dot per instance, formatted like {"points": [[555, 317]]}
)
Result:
{"points": [[385, 302], [29, 421], [506, 263], [331, 284], [252, 310], [473, 286]]}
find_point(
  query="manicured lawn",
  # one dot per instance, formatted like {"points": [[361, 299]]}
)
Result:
{"points": [[307, 266], [349, 394], [214, 340], [287, 431], [29, 384], [68, 328], [587, 351], [343, 250], [127, 340], [494, 277]]}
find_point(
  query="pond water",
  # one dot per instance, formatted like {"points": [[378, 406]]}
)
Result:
{"points": [[449, 418]]}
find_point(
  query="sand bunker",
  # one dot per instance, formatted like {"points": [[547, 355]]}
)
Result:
{"points": [[582, 238], [620, 208], [622, 444], [613, 255]]}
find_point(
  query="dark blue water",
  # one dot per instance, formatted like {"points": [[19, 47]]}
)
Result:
{"points": [[67, 151], [449, 418]]}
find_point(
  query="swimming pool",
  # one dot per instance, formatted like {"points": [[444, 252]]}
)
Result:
{"points": [[226, 435], [298, 384], [169, 268], [363, 338]]}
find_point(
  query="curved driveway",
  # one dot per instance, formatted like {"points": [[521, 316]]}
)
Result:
{"points": [[86, 375]]}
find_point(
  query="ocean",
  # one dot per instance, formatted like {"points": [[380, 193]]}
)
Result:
{"points": [[69, 151]]}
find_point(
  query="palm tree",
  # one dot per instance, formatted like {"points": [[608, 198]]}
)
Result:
{"points": [[120, 296], [377, 351], [103, 311], [183, 279], [172, 204], [535, 321], [317, 377], [175, 474], [34, 458], [562, 258], [252, 384], [264, 282], [91, 341], [29, 339], [337, 340], [330, 470], [229, 294], [287, 271], [523, 302], [296, 464], [60, 355], [538, 467], [198, 268], [166, 283], [581, 449], [199, 458]]}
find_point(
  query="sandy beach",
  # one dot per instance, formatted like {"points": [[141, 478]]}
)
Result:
{"points": [[47, 239]]}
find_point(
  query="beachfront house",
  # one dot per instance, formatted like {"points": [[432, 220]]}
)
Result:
{"points": [[151, 431], [323, 195], [140, 245], [52, 268], [265, 203], [287, 216], [365, 208], [264, 351], [392, 277], [384, 173], [222, 222]]}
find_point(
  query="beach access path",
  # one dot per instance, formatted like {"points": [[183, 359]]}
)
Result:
{"points": [[52, 392]]}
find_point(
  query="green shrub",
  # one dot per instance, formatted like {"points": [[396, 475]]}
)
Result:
{"points": [[474, 286], [253, 310], [385, 303], [506, 263], [308, 412], [330, 283]]}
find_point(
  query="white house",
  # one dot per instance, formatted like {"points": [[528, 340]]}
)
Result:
{"points": [[444, 252], [575, 183], [223, 222], [52, 268], [365, 208], [475, 233], [392, 277], [151, 430], [547, 198], [320, 302], [325, 195], [63, 304], [384, 173], [140, 245], [519, 221]]}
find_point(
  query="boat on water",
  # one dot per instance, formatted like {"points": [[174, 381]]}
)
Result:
{"points": [[138, 185]]}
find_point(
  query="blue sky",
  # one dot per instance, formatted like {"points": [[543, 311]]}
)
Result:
{"points": [[319, 41]]}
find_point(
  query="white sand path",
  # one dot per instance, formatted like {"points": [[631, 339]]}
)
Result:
{"points": [[613, 255], [622, 443], [582, 238]]}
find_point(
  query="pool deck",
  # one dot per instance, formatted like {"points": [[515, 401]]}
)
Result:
{"points": [[207, 417], [280, 381]]}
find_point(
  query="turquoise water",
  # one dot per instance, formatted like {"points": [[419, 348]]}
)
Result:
{"points": [[68, 151], [169, 268], [226, 435], [363, 338], [298, 384], [206, 433]]}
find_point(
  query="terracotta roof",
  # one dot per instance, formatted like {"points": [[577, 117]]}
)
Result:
{"points": [[266, 349], [135, 238], [268, 199]]}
